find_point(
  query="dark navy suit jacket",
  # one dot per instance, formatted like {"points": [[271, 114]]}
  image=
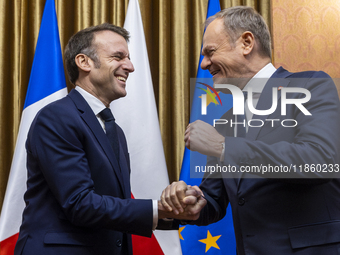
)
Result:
{"points": [[282, 215], [78, 198]]}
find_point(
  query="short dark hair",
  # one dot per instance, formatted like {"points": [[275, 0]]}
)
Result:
{"points": [[82, 42], [239, 19]]}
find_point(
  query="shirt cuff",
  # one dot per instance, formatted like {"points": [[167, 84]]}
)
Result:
{"points": [[155, 214], [222, 153]]}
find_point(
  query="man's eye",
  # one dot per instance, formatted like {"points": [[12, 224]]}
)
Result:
{"points": [[117, 57], [209, 53]]}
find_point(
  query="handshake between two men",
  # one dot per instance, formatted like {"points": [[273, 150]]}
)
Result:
{"points": [[181, 201]]}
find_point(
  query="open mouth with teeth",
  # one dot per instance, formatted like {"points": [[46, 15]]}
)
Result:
{"points": [[213, 73], [120, 78]]}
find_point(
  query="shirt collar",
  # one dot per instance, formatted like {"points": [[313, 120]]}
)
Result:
{"points": [[95, 104], [260, 79]]}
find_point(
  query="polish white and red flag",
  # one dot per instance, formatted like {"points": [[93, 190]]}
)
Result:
{"points": [[137, 115]]}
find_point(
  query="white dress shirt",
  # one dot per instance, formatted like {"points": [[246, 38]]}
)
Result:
{"points": [[257, 84]]}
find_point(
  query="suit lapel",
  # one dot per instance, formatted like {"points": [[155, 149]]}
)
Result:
{"points": [[276, 81], [90, 119]]}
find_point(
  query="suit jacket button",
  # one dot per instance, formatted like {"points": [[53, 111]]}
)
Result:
{"points": [[119, 243], [241, 201]]}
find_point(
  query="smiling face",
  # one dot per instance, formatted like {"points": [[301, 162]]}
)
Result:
{"points": [[222, 58], [108, 76]]}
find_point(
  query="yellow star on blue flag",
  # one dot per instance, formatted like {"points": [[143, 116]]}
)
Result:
{"points": [[210, 241], [179, 233]]}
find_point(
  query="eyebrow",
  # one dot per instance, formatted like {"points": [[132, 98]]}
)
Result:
{"points": [[207, 50]]}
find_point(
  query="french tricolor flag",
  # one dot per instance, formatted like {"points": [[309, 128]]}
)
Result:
{"points": [[46, 84]]}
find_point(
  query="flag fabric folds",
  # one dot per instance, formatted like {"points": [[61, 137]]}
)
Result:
{"points": [[137, 115], [46, 84], [217, 238]]}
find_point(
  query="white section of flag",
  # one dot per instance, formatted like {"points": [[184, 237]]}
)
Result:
{"points": [[13, 205], [137, 115]]}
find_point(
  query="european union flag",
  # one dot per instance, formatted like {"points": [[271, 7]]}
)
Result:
{"points": [[217, 238]]}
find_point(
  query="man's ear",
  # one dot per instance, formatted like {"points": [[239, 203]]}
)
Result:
{"points": [[83, 62], [248, 41]]}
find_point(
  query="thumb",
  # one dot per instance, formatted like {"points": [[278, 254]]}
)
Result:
{"points": [[190, 200]]}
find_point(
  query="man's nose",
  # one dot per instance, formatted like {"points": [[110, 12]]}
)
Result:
{"points": [[205, 63], [128, 66]]}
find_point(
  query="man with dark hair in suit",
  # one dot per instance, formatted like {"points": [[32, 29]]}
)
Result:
{"points": [[78, 198], [286, 213]]}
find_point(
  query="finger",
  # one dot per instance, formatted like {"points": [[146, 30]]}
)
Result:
{"points": [[186, 137], [177, 193], [198, 190], [195, 210], [172, 200], [168, 204], [186, 134], [191, 192], [201, 202], [187, 142], [190, 200], [164, 201]]}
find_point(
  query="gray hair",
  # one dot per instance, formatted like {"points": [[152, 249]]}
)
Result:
{"points": [[239, 19]]}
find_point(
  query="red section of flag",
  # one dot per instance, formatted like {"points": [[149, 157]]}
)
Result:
{"points": [[7, 245], [145, 246]]}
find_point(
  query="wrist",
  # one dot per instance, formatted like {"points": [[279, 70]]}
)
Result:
{"points": [[222, 152], [219, 147], [162, 212]]}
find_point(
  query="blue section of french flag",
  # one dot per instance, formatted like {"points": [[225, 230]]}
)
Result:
{"points": [[46, 84], [47, 74]]}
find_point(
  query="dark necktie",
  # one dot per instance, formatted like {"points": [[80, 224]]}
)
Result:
{"points": [[111, 130], [241, 129]]}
